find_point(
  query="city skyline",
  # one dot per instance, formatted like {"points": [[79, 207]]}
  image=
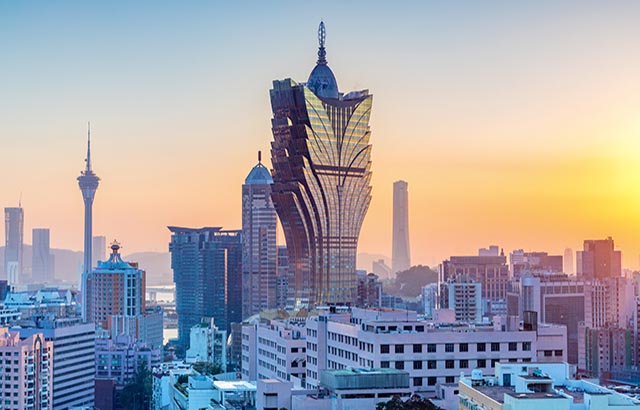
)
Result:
{"points": [[577, 106]]}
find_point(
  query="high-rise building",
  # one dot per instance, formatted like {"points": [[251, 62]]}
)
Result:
{"points": [[599, 260], [115, 291], [464, 297], [401, 256], [258, 242], [14, 240], [569, 267], [536, 263], [321, 160], [99, 251], [88, 182], [207, 271], [27, 371], [41, 257], [285, 294]]}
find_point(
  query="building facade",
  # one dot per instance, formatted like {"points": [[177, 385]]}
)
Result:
{"points": [[208, 344], [99, 251], [464, 297], [401, 255], [259, 264], [599, 260], [321, 160], [42, 263], [207, 271], [14, 244]]}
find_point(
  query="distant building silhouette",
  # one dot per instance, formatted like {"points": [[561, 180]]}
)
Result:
{"points": [[569, 267], [401, 256], [99, 251], [321, 160], [207, 271], [88, 182], [42, 263], [599, 260], [14, 243], [259, 242]]}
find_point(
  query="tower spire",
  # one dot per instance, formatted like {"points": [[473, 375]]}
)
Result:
{"points": [[259, 157], [88, 160], [322, 35]]}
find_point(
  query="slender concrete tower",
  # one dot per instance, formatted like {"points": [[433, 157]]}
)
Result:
{"points": [[88, 182], [400, 256]]}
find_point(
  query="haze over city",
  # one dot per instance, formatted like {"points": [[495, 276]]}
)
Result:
{"points": [[513, 124]]}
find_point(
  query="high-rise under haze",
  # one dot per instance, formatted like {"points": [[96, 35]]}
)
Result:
{"points": [[569, 267], [99, 250], [599, 260], [88, 182], [14, 243], [41, 257], [321, 160], [258, 242], [400, 254], [207, 271]]}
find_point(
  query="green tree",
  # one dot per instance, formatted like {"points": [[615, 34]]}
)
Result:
{"points": [[137, 394], [207, 368]]}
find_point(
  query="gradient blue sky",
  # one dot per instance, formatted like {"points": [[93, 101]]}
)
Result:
{"points": [[515, 123]]}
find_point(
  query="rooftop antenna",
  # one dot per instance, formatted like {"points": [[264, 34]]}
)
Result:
{"points": [[88, 160], [322, 36], [20, 200], [259, 157]]}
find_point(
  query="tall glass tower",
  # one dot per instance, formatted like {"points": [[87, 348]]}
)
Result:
{"points": [[14, 243], [321, 160], [258, 242], [88, 182]]}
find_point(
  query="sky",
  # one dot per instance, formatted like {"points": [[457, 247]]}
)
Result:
{"points": [[514, 123]]}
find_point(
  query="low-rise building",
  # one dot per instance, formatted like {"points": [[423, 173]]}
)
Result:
{"points": [[207, 344]]}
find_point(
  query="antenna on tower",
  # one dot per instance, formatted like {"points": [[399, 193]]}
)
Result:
{"points": [[259, 157], [88, 160], [20, 200], [322, 36]]}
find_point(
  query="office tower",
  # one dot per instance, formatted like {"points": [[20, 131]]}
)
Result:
{"points": [[464, 297], [599, 260], [492, 250], [381, 269], [28, 375], [568, 261], [401, 256], [99, 251], [115, 291], [492, 272], [535, 263], [207, 271], [258, 242], [321, 160], [13, 240], [73, 357], [88, 182], [41, 257]]}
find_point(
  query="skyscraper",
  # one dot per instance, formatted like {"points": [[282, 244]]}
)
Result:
{"points": [[259, 242], [568, 261], [207, 271], [599, 260], [41, 257], [88, 182], [401, 256], [321, 160], [13, 239], [99, 250]]}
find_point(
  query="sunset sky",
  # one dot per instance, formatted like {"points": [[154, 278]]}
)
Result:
{"points": [[514, 123]]}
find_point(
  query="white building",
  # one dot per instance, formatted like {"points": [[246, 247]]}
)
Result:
{"points": [[464, 296], [26, 371], [73, 358], [429, 299], [207, 344], [537, 386], [204, 392], [431, 353], [274, 349]]}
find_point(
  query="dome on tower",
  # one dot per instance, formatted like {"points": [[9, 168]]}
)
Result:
{"points": [[321, 80], [259, 175]]}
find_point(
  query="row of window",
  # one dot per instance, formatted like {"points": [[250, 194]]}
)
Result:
{"points": [[448, 364], [450, 347]]}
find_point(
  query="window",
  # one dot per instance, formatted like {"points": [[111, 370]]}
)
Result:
{"points": [[494, 361], [384, 348], [384, 364], [417, 348], [399, 348], [431, 364], [558, 352], [548, 353], [495, 347], [449, 364], [431, 381], [482, 363], [464, 364], [417, 364], [400, 365], [431, 348], [481, 347], [513, 346], [449, 379], [526, 346], [448, 347], [464, 347], [513, 360], [417, 381]]}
